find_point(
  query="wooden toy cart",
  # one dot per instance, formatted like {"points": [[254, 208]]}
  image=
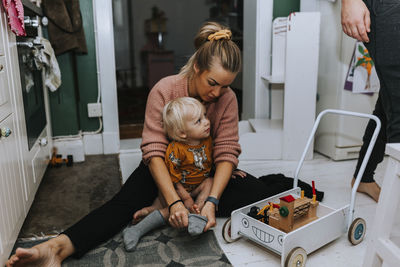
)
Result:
{"points": [[321, 224]]}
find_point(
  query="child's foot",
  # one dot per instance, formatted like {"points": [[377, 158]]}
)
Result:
{"points": [[195, 209], [132, 234], [140, 214], [373, 190], [196, 224]]}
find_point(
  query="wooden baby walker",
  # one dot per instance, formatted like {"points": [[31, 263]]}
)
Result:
{"points": [[293, 225]]}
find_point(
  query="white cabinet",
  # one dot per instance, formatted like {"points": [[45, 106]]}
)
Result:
{"points": [[21, 167], [5, 105], [339, 137], [12, 194], [291, 84]]}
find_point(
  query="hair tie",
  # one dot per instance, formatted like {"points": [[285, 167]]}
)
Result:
{"points": [[221, 34]]}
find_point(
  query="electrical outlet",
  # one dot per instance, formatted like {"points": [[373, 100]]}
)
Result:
{"points": [[94, 110]]}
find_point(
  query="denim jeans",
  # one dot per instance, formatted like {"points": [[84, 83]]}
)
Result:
{"points": [[383, 47]]}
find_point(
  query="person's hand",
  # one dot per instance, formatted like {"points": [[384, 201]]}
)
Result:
{"points": [[238, 173], [200, 194], [209, 212], [178, 216], [356, 20]]}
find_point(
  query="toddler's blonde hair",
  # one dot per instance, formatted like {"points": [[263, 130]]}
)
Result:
{"points": [[176, 112]]}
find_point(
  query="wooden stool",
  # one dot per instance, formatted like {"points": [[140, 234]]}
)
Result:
{"points": [[381, 251]]}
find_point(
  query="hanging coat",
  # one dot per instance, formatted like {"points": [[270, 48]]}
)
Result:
{"points": [[65, 26]]}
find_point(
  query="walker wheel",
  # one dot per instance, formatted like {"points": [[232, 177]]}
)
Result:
{"points": [[226, 231], [70, 160], [357, 231], [296, 258]]}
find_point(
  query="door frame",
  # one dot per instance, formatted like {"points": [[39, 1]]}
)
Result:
{"points": [[104, 34]]}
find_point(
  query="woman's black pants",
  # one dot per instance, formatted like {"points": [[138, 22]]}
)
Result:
{"points": [[140, 191]]}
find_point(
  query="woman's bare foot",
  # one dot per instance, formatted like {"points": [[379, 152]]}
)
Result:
{"points": [[373, 190], [48, 254]]}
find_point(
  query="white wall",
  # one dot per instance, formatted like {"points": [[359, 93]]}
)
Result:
{"points": [[257, 27], [184, 19]]}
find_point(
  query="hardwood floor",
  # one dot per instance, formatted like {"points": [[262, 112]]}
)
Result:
{"points": [[127, 131], [131, 109]]}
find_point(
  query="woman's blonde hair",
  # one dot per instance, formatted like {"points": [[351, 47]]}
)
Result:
{"points": [[176, 112], [213, 45]]}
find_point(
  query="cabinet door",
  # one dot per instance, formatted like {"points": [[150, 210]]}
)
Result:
{"points": [[5, 106], [11, 188]]}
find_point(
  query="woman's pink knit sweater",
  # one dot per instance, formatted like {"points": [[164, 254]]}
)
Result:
{"points": [[223, 116]]}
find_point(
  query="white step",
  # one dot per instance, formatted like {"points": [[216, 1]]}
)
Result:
{"points": [[130, 156], [260, 139]]}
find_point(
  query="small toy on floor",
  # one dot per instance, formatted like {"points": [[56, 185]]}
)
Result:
{"points": [[57, 160]]}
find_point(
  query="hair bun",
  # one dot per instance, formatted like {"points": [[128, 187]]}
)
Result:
{"points": [[221, 34]]}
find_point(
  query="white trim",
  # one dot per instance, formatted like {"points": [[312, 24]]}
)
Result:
{"points": [[129, 157], [104, 35], [93, 144], [72, 147], [256, 55]]}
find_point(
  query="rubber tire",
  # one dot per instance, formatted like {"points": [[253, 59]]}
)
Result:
{"points": [[226, 231], [70, 160], [295, 256], [354, 235]]}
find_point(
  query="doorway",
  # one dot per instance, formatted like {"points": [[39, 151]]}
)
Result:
{"points": [[154, 39]]}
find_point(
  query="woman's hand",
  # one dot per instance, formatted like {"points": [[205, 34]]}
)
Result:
{"points": [[201, 193], [356, 19], [178, 216], [238, 173], [209, 211]]}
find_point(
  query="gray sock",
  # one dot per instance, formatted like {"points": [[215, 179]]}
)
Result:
{"points": [[196, 224], [133, 233]]}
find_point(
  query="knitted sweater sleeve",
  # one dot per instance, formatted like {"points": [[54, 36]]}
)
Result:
{"points": [[154, 140], [226, 132]]}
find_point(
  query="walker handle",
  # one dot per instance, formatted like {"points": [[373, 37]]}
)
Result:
{"points": [[366, 157]]}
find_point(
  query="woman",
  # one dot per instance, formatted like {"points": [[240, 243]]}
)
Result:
{"points": [[376, 23], [207, 77]]}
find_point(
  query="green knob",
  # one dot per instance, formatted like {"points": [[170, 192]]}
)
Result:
{"points": [[284, 211]]}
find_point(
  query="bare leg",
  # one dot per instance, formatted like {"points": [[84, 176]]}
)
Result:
{"points": [[200, 194], [140, 214], [373, 190], [48, 254]]}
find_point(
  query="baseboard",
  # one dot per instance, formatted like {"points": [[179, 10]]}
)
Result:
{"points": [[129, 157], [93, 144], [72, 147], [89, 144], [111, 142]]}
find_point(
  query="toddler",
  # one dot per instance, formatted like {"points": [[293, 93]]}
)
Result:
{"points": [[189, 160]]}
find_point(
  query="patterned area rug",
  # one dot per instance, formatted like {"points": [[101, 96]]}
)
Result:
{"points": [[164, 247]]}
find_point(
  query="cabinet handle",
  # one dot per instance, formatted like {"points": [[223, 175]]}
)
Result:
{"points": [[43, 142], [5, 132], [1, 67]]}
